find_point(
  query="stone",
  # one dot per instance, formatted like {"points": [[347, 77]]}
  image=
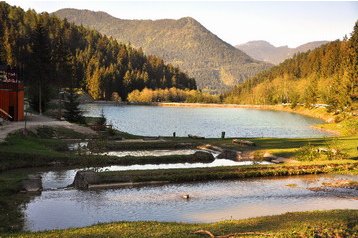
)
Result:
{"points": [[210, 148], [32, 184], [268, 155], [231, 155], [243, 142], [186, 196], [203, 156], [84, 178], [195, 137]]}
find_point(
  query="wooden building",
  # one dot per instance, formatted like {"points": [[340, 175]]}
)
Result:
{"points": [[11, 95]]}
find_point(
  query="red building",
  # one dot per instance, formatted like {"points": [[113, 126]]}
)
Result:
{"points": [[11, 95]]}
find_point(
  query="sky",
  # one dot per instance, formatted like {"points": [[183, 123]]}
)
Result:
{"points": [[236, 22]]}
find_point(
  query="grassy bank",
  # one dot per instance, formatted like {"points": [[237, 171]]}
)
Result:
{"points": [[225, 173], [31, 152], [38, 150], [335, 223]]}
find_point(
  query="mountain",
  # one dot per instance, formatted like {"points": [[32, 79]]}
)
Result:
{"points": [[263, 50], [185, 43], [325, 75]]}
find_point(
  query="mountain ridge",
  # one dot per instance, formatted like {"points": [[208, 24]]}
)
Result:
{"points": [[265, 51], [214, 63]]}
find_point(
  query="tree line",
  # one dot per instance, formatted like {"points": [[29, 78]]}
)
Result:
{"points": [[51, 54], [328, 75], [172, 95]]}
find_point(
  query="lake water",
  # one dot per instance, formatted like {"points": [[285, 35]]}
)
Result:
{"points": [[208, 122], [209, 202]]}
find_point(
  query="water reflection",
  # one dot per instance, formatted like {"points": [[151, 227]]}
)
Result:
{"points": [[208, 122], [210, 201]]}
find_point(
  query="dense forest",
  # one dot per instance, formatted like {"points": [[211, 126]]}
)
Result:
{"points": [[51, 54], [326, 75], [172, 95], [216, 65]]}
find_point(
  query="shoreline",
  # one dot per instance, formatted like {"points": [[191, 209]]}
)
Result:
{"points": [[277, 107], [298, 110]]}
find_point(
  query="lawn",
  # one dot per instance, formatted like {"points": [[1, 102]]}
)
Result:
{"points": [[335, 223]]}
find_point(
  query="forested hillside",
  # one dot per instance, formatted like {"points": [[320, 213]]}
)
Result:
{"points": [[328, 74], [214, 64], [51, 53], [263, 50]]}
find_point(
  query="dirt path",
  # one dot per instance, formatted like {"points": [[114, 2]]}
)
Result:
{"points": [[37, 120]]}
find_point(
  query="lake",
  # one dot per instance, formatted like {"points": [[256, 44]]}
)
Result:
{"points": [[209, 201], [208, 122]]}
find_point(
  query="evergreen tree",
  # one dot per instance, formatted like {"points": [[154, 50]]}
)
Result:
{"points": [[72, 110], [40, 64], [41, 44]]}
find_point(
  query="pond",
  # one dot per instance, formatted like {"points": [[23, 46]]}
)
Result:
{"points": [[208, 122], [209, 202], [63, 178]]}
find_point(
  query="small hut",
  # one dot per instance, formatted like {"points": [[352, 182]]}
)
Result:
{"points": [[11, 95]]}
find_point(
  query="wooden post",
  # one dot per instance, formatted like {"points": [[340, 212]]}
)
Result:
{"points": [[174, 134], [223, 135]]}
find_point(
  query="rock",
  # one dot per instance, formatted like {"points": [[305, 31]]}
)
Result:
{"points": [[231, 155], [84, 178], [32, 184], [269, 156], [276, 159], [330, 120], [203, 156], [243, 142], [210, 147], [186, 196], [195, 137]]}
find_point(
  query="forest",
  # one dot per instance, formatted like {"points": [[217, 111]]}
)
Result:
{"points": [[51, 54], [216, 65], [325, 75]]}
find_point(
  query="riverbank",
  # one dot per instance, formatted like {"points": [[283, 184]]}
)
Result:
{"points": [[335, 223]]}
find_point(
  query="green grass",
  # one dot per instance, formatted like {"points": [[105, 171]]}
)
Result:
{"points": [[224, 173], [347, 127], [288, 147], [334, 223]]}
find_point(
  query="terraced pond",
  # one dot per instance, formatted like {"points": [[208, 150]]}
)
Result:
{"points": [[209, 201]]}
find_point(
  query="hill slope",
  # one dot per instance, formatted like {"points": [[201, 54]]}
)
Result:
{"points": [[327, 75], [59, 54], [184, 43], [263, 50]]}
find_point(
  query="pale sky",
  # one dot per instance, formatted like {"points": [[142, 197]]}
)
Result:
{"points": [[280, 23]]}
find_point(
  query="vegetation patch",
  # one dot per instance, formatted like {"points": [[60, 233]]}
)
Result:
{"points": [[335, 223], [223, 173]]}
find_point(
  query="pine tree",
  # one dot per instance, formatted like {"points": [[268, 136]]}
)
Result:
{"points": [[72, 111], [40, 64]]}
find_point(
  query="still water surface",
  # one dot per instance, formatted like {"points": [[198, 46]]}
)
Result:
{"points": [[208, 122], [210, 201]]}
